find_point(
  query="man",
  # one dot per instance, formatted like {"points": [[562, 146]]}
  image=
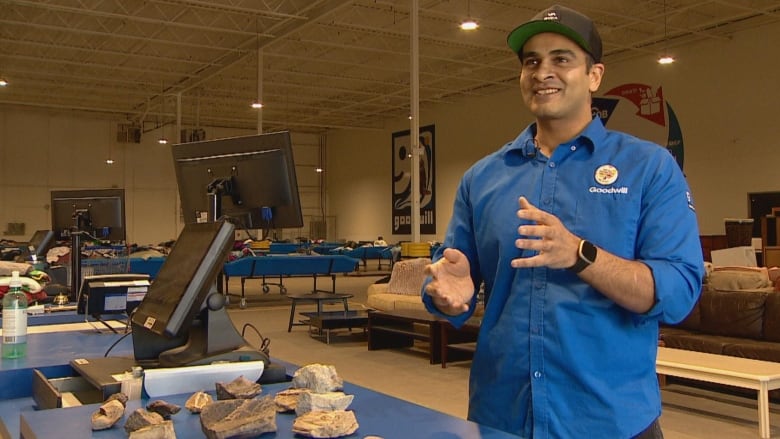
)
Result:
{"points": [[604, 245]]}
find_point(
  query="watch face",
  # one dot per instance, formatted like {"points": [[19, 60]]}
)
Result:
{"points": [[589, 252]]}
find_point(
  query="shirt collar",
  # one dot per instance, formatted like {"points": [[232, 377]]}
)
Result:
{"points": [[592, 136]]}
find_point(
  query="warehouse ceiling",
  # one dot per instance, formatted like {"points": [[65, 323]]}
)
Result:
{"points": [[325, 63]]}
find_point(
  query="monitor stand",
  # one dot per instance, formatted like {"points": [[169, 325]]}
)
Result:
{"points": [[212, 338]]}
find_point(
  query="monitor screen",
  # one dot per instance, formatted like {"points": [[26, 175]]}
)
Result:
{"points": [[98, 212], [185, 279], [253, 179]]}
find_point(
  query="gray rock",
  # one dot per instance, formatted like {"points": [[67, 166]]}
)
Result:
{"points": [[238, 418], [324, 402], [326, 424], [121, 397], [107, 414], [156, 431], [239, 388], [197, 401], [320, 378], [141, 418]]}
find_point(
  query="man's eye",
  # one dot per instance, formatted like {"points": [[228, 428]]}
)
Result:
{"points": [[530, 62], [561, 60]]}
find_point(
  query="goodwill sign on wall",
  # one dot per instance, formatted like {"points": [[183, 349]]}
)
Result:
{"points": [[642, 111], [402, 182]]}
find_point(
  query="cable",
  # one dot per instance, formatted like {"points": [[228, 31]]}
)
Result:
{"points": [[116, 343], [264, 342]]}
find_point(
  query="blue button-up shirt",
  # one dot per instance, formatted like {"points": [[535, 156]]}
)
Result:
{"points": [[555, 358]]}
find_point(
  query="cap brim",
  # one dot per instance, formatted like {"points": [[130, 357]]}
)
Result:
{"points": [[518, 37]]}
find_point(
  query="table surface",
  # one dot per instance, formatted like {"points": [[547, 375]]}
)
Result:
{"points": [[704, 362], [337, 315], [320, 296], [51, 352], [409, 315]]}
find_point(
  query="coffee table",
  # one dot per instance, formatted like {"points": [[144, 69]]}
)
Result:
{"points": [[318, 298], [327, 321], [400, 328]]}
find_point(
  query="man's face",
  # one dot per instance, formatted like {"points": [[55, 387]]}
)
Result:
{"points": [[555, 80]]}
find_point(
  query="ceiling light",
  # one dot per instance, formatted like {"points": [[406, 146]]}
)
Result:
{"points": [[318, 170], [3, 82], [109, 161], [469, 24], [665, 58], [257, 105], [162, 141]]}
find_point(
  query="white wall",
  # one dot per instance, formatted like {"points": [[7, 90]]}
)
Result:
{"points": [[724, 94], [42, 151]]}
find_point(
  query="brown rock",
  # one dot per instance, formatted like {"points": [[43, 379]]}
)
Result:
{"points": [[326, 424], [239, 388], [141, 418], [163, 430], [107, 414], [163, 408], [197, 401], [238, 418], [287, 400]]}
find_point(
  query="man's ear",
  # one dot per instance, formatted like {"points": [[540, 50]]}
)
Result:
{"points": [[596, 73]]}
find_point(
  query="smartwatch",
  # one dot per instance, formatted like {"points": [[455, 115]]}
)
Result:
{"points": [[586, 255]]}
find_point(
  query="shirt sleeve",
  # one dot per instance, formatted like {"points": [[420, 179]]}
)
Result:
{"points": [[669, 244]]}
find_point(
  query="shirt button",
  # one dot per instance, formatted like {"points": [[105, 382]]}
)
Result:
{"points": [[534, 330], [552, 164], [537, 374], [573, 147], [547, 201]]}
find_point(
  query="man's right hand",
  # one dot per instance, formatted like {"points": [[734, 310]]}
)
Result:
{"points": [[451, 288]]}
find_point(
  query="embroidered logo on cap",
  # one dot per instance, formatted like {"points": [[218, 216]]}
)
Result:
{"points": [[552, 16], [606, 174]]}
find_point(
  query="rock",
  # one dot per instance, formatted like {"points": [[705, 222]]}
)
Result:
{"points": [[141, 418], [326, 424], [238, 418], [163, 408], [107, 414], [163, 430], [197, 401], [121, 397], [320, 378], [287, 400], [325, 402], [239, 388]]}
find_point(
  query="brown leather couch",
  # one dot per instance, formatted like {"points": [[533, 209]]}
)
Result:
{"points": [[732, 317]]}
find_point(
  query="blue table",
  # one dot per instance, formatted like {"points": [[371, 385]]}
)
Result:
{"points": [[377, 414]]}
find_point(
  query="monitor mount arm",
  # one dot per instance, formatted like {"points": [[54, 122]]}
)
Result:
{"points": [[218, 188]]}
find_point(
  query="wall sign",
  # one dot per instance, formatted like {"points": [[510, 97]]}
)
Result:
{"points": [[644, 113], [402, 182]]}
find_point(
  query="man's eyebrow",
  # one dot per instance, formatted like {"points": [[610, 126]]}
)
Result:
{"points": [[552, 52]]}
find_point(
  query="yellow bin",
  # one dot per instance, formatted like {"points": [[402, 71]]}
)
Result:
{"points": [[415, 250]]}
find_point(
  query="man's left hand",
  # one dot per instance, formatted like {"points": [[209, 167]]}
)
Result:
{"points": [[556, 247]]}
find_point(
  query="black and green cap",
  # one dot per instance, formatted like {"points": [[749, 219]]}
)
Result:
{"points": [[560, 20]]}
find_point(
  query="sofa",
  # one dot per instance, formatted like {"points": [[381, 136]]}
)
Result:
{"points": [[402, 290], [738, 314]]}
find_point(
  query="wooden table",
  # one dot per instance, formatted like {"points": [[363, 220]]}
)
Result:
{"points": [[319, 299], [400, 328], [723, 369], [327, 321]]}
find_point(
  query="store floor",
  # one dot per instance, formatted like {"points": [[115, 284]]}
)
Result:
{"points": [[688, 412]]}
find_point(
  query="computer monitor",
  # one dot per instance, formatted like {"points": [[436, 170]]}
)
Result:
{"points": [[105, 294], [250, 179], [40, 243], [182, 319], [98, 212]]}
